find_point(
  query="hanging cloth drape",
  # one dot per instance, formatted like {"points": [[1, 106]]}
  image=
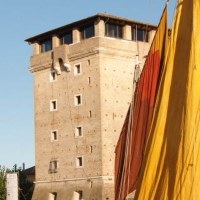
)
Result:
{"points": [[171, 167], [130, 147]]}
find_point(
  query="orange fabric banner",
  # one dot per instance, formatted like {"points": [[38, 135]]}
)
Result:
{"points": [[131, 144], [171, 166]]}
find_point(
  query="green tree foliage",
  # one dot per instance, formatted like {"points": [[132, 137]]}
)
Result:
{"points": [[3, 171], [2, 183]]}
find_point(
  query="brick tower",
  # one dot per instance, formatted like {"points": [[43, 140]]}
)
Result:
{"points": [[83, 84]]}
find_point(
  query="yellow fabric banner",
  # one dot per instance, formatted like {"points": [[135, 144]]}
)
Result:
{"points": [[171, 167]]}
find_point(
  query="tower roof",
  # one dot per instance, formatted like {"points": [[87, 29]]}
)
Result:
{"points": [[106, 17]]}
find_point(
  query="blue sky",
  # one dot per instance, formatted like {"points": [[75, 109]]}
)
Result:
{"points": [[22, 19]]}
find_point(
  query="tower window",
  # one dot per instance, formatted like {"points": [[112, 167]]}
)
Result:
{"points": [[53, 196], [89, 80], [87, 32], [79, 161], [90, 114], [78, 195], [66, 38], [46, 45], [91, 149], [53, 105], [54, 135], [80, 192], [113, 30], [78, 131], [53, 166], [139, 34], [53, 76], [77, 69], [78, 100]]}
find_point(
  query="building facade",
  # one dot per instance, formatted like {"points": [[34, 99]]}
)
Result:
{"points": [[83, 85]]}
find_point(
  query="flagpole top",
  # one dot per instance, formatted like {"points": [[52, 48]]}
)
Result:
{"points": [[167, 1]]}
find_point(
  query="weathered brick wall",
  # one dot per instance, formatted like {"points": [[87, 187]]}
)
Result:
{"points": [[106, 86]]}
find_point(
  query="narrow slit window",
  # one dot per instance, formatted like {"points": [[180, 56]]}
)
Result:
{"points": [[89, 80], [90, 113], [91, 149], [53, 76]]}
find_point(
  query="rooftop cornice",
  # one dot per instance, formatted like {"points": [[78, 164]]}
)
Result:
{"points": [[85, 21]]}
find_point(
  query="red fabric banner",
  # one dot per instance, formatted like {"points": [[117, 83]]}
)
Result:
{"points": [[131, 143]]}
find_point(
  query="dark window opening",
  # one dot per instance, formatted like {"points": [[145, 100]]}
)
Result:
{"points": [[46, 45], [90, 113], [53, 75], [89, 80], [79, 131], [77, 69], [53, 105], [79, 161], [140, 35], [66, 38], [53, 196], [80, 194], [54, 135], [78, 100], [87, 32], [113, 30]]}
